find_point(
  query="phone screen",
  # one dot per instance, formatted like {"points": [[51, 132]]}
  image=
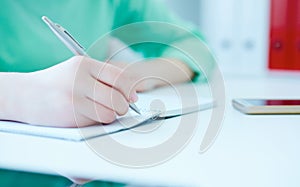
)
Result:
{"points": [[260, 102]]}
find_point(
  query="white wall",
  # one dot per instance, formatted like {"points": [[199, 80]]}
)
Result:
{"points": [[187, 9], [236, 30]]}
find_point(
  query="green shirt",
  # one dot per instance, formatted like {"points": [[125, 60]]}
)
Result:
{"points": [[27, 44]]}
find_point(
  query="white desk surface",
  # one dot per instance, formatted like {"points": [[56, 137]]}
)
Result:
{"points": [[249, 151]]}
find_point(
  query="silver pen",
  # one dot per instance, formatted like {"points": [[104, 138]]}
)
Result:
{"points": [[73, 45]]}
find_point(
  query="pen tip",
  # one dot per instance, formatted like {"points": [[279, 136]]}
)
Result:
{"points": [[135, 108]]}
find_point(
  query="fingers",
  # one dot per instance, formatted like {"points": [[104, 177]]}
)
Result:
{"points": [[104, 91], [113, 77], [94, 111], [107, 96]]}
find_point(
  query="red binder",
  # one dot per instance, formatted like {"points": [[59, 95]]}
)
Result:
{"points": [[297, 37], [284, 41]]}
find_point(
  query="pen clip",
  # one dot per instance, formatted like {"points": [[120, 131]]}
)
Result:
{"points": [[69, 35]]}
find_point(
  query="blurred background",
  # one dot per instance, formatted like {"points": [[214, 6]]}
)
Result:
{"points": [[236, 30]]}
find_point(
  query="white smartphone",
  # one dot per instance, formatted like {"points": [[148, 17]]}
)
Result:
{"points": [[267, 106]]}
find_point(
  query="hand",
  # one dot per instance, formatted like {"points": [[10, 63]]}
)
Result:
{"points": [[157, 72], [78, 92]]}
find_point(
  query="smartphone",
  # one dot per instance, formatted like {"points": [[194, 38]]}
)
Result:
{"points": [[267, 106]]}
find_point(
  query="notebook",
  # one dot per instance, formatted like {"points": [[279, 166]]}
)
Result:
{"points": [[154, 106]]}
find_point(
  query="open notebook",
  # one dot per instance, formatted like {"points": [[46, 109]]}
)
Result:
{"points": [[155, 106]]}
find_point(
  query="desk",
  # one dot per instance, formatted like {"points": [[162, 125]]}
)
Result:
{"points": [[249, 151]]}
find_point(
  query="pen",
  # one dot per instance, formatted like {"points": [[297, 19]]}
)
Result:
{"points": [[73, 45]]}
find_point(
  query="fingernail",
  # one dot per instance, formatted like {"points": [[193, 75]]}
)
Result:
{"points": [[133, 97]]}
